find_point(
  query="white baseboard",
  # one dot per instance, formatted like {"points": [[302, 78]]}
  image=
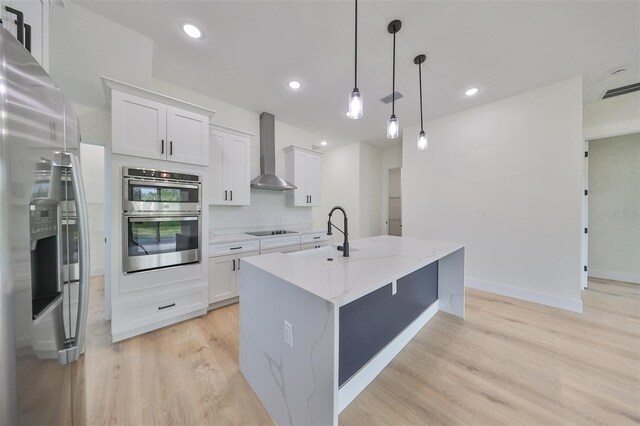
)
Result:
{"points": [[95, 272], [614, 275], [528, 295]]}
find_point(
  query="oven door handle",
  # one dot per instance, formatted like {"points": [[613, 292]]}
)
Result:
{"points": [[75, 345], [161, 218], [163, 184]]}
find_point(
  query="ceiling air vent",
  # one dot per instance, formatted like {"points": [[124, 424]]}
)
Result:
{"points": [[387, 99], [621, 90]]}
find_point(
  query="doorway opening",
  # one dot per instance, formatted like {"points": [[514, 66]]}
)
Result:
{"points": [[612, 210], [395, 203]]}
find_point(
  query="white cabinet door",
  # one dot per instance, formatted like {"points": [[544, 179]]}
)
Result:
{"points": [[238, 154], [303, 170], [188, 136], [138, 126], [230, 168], [301, 193], [36, 14], [217, 168], [313, 179], [222, 278]]}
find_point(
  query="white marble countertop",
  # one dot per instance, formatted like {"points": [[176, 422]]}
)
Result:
{"points": [[374, 262], [236, 237]]}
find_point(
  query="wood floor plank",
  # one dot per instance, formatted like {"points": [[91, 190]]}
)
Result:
{"points": [[509, 362]]}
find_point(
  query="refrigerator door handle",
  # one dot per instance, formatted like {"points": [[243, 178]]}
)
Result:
{"points": [[75, 345]]}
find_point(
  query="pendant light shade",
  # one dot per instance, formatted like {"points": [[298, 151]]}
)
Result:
{"points": [[423, 144], [393, 126], [355, 99], [355, 105]]}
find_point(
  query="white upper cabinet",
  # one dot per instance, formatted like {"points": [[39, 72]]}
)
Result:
{"points": [[230, 167], [303, 170], [36, 16], [188, 136], [150, 125], [139, 126]]}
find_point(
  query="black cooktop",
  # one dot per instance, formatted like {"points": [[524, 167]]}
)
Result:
{"points": [[266, 233]]}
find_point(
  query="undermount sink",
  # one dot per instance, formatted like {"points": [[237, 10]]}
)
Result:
{"points": [[323, 252]]}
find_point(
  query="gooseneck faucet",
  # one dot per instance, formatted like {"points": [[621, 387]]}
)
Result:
{"points": [[345, 246]]}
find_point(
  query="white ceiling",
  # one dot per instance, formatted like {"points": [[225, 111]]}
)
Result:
{"points": [[251, 49]]}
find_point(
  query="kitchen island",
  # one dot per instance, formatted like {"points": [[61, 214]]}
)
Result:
{"points": [[316, 328]]}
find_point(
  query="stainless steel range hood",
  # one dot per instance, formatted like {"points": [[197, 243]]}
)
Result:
{"points": [[268, 178]]}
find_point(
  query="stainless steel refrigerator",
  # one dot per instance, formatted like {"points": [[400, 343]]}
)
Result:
{"points": [[44, 247]]}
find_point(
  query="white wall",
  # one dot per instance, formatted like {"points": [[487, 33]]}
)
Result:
{"points": [[340, 186], [370, 191], [92, 164], [614, 208], [613, 116], [505, 179]]}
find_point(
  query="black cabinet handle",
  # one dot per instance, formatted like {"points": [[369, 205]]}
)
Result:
{"points": [[316, 238], [235, 248], [225, 195], [231, 195], [170, 147], [162, 149], [238, 264], [234, 265], [310, 199], [165, 307]]}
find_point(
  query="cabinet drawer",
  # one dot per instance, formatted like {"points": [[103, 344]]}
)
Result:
{"points": [[275, 242], [141, 312], [234, 248], [312, 238]]}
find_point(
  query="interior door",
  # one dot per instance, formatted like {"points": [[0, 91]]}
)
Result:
{"points": [[313, 179], [395, 203], [238, 173], [139, 126], [188, 136]]}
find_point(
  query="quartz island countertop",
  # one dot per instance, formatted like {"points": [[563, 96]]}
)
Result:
{"points": [[372, 263], [315, 332]]}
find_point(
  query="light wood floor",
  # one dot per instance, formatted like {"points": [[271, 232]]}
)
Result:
{"points": [[509, 362]]}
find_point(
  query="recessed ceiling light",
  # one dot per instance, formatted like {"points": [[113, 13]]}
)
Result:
{"points": [[471, 92], [294, 84], [192, 31], [323, 143]]}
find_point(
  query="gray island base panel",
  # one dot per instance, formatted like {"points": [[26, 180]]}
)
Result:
{"points": [[314, 333]]}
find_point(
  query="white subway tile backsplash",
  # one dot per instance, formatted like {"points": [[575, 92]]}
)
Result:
{"points": [[268, 210]]}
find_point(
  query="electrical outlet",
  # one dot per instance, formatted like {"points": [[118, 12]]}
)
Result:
{"points": [[288, 334]]}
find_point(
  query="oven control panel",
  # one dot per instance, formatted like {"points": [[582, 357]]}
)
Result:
{"points": [[160, 174], [43, 219]]}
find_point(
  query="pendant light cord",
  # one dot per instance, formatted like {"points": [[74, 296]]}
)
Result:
{"points": [[420, 79], [355, 77], [393, 84]]}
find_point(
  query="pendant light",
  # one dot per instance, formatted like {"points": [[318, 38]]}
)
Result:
{"points": [[422, 137], [393, 126], [355, 99]]}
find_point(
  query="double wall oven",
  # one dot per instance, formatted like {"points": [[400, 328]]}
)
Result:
{"points": [[161, 219]]}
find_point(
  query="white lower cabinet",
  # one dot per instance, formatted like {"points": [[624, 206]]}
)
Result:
{"points": [[223, 276]]}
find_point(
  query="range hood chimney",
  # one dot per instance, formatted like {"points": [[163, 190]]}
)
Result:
{"points": [[268, 178]]}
